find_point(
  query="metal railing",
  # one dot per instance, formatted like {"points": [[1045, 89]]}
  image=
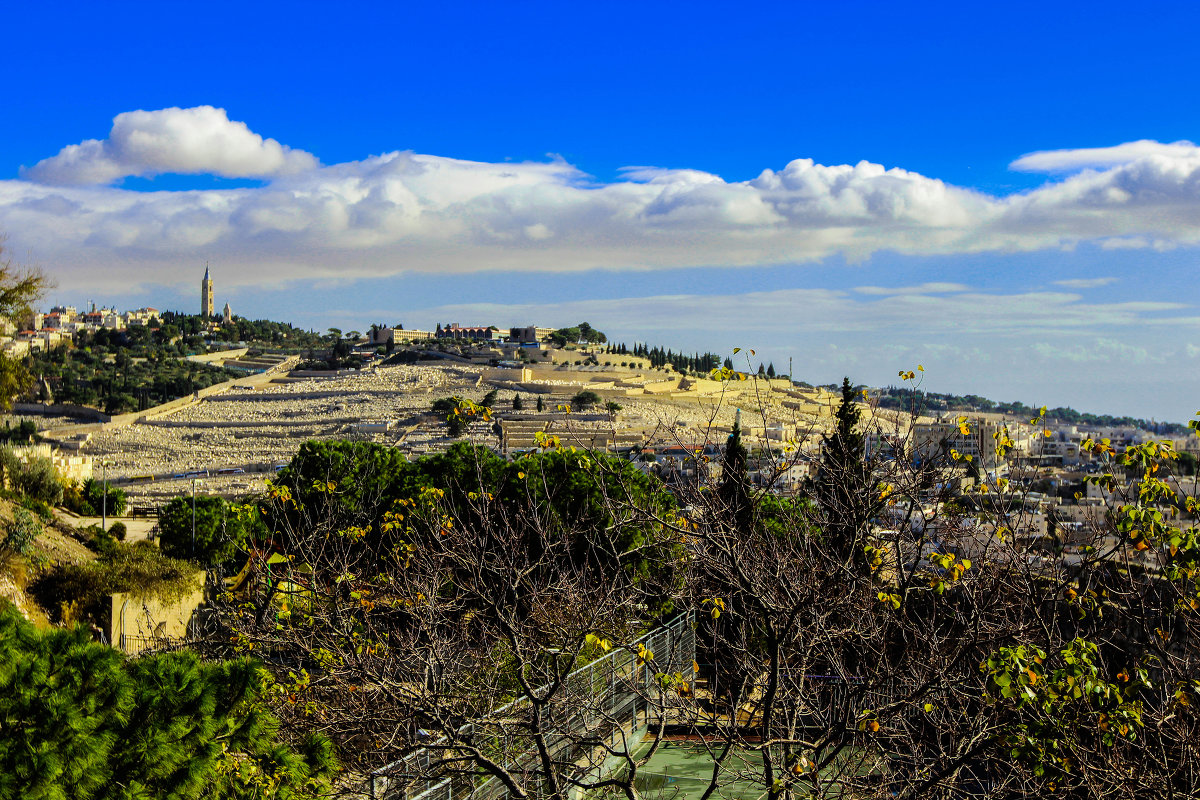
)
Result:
{"points": [[600, 709], [133, 645]]}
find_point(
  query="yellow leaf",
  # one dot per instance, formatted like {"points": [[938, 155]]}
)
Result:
{"points": [[920, 368]]}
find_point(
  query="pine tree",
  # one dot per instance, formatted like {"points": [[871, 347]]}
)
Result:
{"points": [[771, 370], [517, 403], [79, 721]]}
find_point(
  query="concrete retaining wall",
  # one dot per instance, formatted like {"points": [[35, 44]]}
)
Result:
{"points": [[219, 356], [277, 423]]}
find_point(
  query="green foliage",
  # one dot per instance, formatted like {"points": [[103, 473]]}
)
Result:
{"points": [[922, 402], [34, 476], [842, 485], [734, 489], [20, 288], [1051, 701], [20, 534], [118, 531], [94, 492], [79, 721], [223, 529], [585, 399], [39, 507], [517, 403], [74, 500], [139, 569], [604, 504], [122, 371], [345, 483], [24, 432], [460, 412], [583, 332], [659, 357]]}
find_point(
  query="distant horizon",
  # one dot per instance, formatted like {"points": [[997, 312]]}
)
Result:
{"points": [[780, 368], [988, 192]]}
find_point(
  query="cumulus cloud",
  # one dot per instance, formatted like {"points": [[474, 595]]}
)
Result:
{"points": [[410, 212], [189, 141]]}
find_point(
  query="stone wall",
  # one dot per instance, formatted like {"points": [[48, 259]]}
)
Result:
{"points": [[136, 622]]}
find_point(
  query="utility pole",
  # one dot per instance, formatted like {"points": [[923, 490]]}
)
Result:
{"points": [[103, 496], [193, 517]]}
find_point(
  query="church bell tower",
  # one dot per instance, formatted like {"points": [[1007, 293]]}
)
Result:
{"points": [[206, 295]]}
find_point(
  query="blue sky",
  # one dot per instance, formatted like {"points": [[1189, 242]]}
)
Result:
{"points": [[848, 185]]}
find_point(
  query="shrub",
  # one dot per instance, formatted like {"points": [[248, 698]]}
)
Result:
{"points": [[139, 569], [21, 533], [585, 399], [38, 507], [95, 493], [35, 477], [117, 531], [74, 500]]}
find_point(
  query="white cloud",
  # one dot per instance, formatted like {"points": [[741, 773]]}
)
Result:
{"points": [[190, 141], [1102, 157], [924, 288], [409, 212], [1085, 283]]}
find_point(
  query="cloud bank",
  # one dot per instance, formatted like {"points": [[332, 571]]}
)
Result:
{"points": [[188, 141], [407, 212]]}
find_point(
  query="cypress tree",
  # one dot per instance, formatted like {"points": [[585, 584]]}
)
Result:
{"points": [[842, 486], [734, 489]]}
